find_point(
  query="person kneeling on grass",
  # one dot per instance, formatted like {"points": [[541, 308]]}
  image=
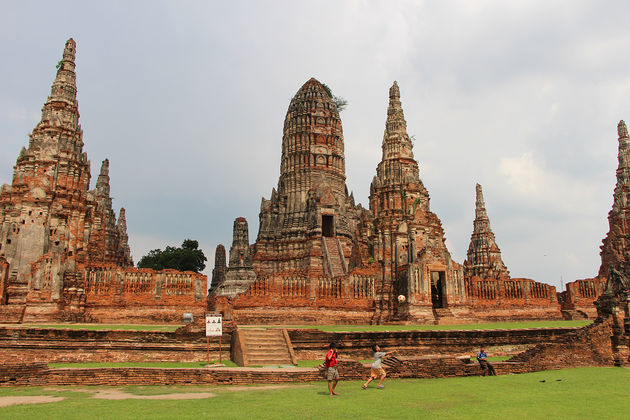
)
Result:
{"points": [[331, 368], [377, 367]]}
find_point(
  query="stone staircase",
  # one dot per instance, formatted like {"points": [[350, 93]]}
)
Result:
{"points": [[334, 257], [573, 314], [444, 316], [264, 347]]}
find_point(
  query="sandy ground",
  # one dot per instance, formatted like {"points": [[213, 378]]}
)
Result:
{"points": [[118, 394], [30, 399]]}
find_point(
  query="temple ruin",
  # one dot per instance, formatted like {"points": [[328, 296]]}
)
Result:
{"points": [[63, 253], [318, 254]]}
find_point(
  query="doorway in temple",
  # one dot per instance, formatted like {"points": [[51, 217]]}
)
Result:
{"points": [[437, 289], [328, 225]]}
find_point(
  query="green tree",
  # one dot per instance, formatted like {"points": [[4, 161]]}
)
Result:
{"points": [[338, 100], [188, 257]]}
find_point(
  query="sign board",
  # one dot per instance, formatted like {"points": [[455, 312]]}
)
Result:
{"points": [[214, 326]]}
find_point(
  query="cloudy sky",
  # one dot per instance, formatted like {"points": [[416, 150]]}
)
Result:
{"points": [[187, 99]]}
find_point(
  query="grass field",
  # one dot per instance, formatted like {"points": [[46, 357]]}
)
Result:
{"points": [[100, 327], [226, 362], [585, 393], [333, 328], [484, 326]]}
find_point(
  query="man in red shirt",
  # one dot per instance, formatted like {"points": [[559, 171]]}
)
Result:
{"points": [[331, 368]]}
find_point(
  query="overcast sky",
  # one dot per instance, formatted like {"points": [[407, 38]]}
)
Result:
{"points": [[187, 99]]}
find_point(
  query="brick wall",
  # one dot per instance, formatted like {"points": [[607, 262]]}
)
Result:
{"points": [[311, 344], [588, 346], [20, 345], [39, 374]]}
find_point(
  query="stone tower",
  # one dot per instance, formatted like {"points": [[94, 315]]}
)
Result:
{"points": [[615, 250], [53, 172], [123, 239], [484, 256], [218, 272], [108, 239], [310, 215], [50, 221], [408, 239], [240, 273]]}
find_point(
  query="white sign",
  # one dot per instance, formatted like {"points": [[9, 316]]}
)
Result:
{"points": [[214, 326]]}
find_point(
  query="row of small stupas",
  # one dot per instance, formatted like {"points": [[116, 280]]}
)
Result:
{"points": [[319, 256], [63, 254]]}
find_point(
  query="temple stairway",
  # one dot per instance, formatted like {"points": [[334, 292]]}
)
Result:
{"points": [[332, 250], [262, 346], [573, 314], [444, 316]]}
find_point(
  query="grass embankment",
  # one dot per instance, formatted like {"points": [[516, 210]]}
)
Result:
{"points": [[485, 326], [332, 328], [227, 362], [101, 327], [584, 393]]}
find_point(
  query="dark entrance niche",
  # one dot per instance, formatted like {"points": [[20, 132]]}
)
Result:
{"points": [[437, 289], [328, 225]]}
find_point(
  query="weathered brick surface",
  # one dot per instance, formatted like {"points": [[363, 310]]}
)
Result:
{"points": [[53, 345], [588, 346], [40, 374], [309, 344], [556, 349]]}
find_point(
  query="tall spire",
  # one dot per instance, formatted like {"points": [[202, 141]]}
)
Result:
{"points": [[102, 182], [56, 143], [59, 127], [396, 141], [483, 256], [615, 250], [121, 226], [397, 177]]}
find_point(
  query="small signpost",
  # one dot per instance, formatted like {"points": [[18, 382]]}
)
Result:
{"points": [[214, 328]]}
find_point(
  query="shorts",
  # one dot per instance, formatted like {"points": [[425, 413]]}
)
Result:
{"points": [[378, 372], [332, 374]]}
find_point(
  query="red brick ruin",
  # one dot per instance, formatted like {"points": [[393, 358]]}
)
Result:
{"points": [[63, 255], [319, 256]]}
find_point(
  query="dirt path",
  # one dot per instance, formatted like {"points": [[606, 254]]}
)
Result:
{"points": [[29, 399], [119, 394]]}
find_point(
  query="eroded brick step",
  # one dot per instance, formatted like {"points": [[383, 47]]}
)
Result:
{"points": [[274, 361], [261, 350], [265, 341]]}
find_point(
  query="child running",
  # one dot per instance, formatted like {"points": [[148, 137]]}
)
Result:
{"points": [[377, 367]]}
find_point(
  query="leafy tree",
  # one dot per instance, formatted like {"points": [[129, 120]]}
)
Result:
{"points": [[185, 258]]}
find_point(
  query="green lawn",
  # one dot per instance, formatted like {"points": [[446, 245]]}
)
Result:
{"points": [[333, 328], [485, 326], [585, 393], [226, 362], [99, 327]]}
